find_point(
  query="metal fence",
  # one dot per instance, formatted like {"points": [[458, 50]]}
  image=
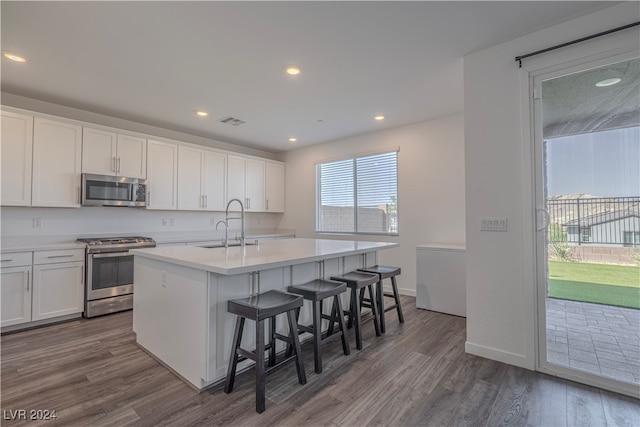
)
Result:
{"points": [[594, 220]]}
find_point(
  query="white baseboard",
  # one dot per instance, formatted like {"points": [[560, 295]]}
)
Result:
{"points": [[496, 354]]}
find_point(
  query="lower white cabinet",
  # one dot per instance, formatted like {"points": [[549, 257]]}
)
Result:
{"points": [[57, 290], [41, 285], [15, 292]]}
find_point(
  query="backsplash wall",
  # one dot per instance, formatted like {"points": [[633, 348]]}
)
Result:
{"points": [[95, 221]]}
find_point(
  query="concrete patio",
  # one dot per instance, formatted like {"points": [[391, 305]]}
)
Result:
{"points": [[595, 338]]}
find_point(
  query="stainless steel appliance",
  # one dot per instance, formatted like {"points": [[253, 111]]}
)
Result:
{"points": [[105, 190], [109, 273]]}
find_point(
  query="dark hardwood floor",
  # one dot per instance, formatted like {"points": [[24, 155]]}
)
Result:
{"points": [[92, 374]]}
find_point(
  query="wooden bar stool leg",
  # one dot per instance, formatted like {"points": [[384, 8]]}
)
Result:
{"points": [[374, 309], [396, 296], [317, 336], [355, 312], [351, 310], [334, 314], [272, 341], [293, 333], [337, 307], [231, 372], [380, 302], [260, 369]]}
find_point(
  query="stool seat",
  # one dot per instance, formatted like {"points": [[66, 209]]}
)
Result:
{"points": [[386, 272], [262, 306], [259, 308], [316, 291], [358, 282]]}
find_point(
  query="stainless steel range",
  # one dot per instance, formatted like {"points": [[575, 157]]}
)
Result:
{"points": [[109, 270]]}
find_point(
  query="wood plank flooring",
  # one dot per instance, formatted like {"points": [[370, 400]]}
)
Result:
{"points": [[417, 374]]}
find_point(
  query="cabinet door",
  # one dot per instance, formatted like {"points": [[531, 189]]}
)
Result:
{"points": [[57, 290], [236, 171], [98, 151], [131, 156], [17, 145], [57, 159], [162, 175], [15, 296], [214, 181], [255, 185], [274, 187], [190, 162]]}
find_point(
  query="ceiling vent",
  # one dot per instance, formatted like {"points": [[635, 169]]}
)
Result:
{"points": [[232, 121]]}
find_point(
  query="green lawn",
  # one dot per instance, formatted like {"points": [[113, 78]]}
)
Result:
{"points": [[598, 283]]}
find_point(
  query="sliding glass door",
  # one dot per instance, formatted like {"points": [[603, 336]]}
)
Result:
{"points": [[587, 162]]}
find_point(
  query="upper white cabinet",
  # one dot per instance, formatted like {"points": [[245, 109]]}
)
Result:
{"points": [[201, 179], [17, 145], [245, 181], [162, 175], [57, 159], [274, 187], [111, 153]]}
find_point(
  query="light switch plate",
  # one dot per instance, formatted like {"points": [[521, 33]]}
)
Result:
{"points": [[493, 223]]}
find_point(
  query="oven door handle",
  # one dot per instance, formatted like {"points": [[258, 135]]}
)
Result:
{"points": [[111, 255]]}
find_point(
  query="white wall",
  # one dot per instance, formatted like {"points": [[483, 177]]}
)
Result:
{"points": [[500, 266], [430, 187]]}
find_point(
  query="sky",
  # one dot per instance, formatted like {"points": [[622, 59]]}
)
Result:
{"points": [[604, 164]]}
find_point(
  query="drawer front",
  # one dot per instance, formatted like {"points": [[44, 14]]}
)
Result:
{"points": [[53, 257], [15, 259]]}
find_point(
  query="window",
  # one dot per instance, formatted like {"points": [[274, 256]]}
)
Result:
{"points": [[358, 195], [631, 238]]}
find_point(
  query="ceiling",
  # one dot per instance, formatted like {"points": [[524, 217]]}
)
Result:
{"points": [[157, 62]]}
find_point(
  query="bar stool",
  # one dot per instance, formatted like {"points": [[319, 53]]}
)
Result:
{"points": [[357, 280], [386, 272], [316, 291], [258, 308]]}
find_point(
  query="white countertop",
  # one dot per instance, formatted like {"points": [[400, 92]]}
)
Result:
{"points": [[442, 246], [25, 244], [268, 254]]}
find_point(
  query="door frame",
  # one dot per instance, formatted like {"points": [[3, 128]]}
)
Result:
{"points": [[533, 186]]}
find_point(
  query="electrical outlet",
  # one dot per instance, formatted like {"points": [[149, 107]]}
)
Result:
{"points": [[164, 222], [37, 223], [172, 222]]}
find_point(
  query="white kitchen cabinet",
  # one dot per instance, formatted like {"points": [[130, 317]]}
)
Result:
{"points": [[15, 288], [17, 146], [201, 179], [162, 175], [57, 160], [245, 181], [441, 279], [58, 283], [111, 153], [274, 187]]}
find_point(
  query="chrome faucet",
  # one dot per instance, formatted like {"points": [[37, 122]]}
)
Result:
{"points": [[226, 223]]}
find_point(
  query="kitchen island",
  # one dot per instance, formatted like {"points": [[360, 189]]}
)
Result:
{"points": [[181, 293]]}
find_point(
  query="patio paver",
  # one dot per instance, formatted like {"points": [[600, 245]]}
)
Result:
{"points": [[596, 338]]}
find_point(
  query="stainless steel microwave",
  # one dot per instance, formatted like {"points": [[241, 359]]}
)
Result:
{"points": [[105, 190]]}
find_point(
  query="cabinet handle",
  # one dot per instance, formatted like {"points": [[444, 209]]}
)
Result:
{"points": [[82, 275], [114, 168], [6, 260], [119, 164], [60, 256], [206, 200], [148, 198], [28, 279], [267, 205]]}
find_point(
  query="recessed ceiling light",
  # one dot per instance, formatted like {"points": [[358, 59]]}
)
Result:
{"points": [[14, 57], [293, 71], [608, 82], [201, 113], [378, 117], [292, 139]]}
